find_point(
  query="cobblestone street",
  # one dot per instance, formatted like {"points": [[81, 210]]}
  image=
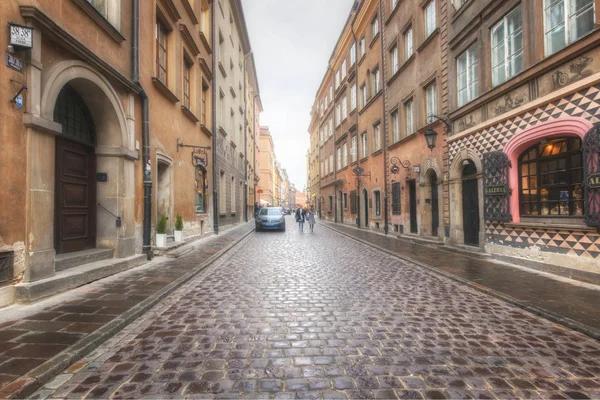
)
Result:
{"points": [[318, 315]]}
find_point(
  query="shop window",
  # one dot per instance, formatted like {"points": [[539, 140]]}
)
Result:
{"points": [[200, 190], [550, 179], [396, 210]]}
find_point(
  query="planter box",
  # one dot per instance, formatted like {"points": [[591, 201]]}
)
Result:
{"points": [[179, 236], [161, 240]]}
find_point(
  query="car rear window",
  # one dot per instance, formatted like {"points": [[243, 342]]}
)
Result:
{"points": [[270, 211]]}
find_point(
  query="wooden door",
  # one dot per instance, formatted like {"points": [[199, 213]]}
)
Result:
{"points": [[470, 204], [435, 216], [75, 198], [412, 189]]}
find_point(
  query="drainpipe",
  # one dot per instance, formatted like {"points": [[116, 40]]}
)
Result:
{"points": [[135, 60], [384, 124], [246, 141], [214, 124]]}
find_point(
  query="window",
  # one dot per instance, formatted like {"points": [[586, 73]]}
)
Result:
{"points": [[363, 96], [376, 82], [353, 54], [344, 70], [377, 194], [201, 187], [408, 43], [353, 202], [338, 79], [344, 108], [222, 196], [330, 127], [330, 203], [430, 22], [363, 142], [339, 158], [362, 47], [345, 154], [396, 209], [408, 110], [395, 126], [205, 27], [377, 137], [566, 21], [110, 10], [394, 59], [205, 89], [431, 101], [354, 148], [345, 201], [330, 94], [353, 97], [467, 69], [507, 47], [550, 179], [338, 114], [161, 51], [393, 4], [221, 52], [187, 68], [331, 163], [375, 27]]}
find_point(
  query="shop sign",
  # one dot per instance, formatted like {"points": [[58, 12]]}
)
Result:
{"points": [[498, 190], [14, 62], [593, 181], [19, 100], [21, 36]]}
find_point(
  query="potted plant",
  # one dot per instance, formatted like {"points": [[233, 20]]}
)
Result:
{"points": [[161, 231], [179, 229]]}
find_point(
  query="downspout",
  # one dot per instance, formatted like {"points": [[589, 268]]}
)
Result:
{"points": [[214, 124], [356, 7], [245, 142], [135, 60], [385, 130]]}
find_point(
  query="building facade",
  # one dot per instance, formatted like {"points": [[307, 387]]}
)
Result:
{"points": [[415, 54], [523, 152], [253, 110], [266, 185], [231, 48]]}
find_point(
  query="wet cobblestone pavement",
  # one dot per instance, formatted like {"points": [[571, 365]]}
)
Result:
{"points": [[290, 315]]}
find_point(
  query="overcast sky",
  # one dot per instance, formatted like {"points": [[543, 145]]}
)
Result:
{"points": [[292, 41]]}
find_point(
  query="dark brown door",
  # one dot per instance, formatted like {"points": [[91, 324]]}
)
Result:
{"points": [[470, 212], [75, 207], [412, 197]]}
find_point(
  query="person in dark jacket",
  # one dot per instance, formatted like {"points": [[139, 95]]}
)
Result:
{"points": [[300, 217]]}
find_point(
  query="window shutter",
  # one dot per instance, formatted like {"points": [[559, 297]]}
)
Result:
{"points": [[396, 198], [495, 187], [591, 176], [353, 202]]}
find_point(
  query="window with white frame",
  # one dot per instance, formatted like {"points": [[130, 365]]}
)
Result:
{"points": [[330, 125], [430, 101], [353, 54], [393, 4], [345, 154], [395, 126], [409, 108], [363, 96], [377, 137], [566, 21], [339, 158], [344, 108], [394, 59], [363, 143], [353, 97], [507, 47], [338, 114], [110, 10], [331, 163], [343, 70], [374, 27], [430, 19], [330, 94], [408, 43], [354, 148], [467, 79], [363, 50], [337, 79], [376, 81]]}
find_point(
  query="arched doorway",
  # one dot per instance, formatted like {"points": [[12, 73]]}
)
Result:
{"points": [[75, 174], [366, 208], [470, 203], [340, 207]]}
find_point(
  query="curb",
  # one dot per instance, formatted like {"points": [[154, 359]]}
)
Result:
{"points": [[567, 322], [37, 377]]}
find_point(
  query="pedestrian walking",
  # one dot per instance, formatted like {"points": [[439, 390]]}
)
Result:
{"points": [[310, 216], [300, 217]]}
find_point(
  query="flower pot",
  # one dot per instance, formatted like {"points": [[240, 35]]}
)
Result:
{"points": [[179, 236], [161, 240]]}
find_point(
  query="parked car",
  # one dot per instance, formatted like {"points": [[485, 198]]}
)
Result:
{"points": [[270, 218]]}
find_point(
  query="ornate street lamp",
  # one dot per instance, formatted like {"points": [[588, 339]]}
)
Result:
{"points": [[431, 134]]}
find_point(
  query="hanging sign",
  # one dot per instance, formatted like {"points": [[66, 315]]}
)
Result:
{"points": [[14, 62], [19, 100], [593, 181], [21, 36]]}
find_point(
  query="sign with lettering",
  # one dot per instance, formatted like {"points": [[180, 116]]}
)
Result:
{"points": [[101, 177], [498, 190], [14, 62], [593, 181], [21, 36]]}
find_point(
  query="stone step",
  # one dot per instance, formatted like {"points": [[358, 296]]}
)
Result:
{"points": [[425, 241], [66, 261], [74, 277], [467, 250]]}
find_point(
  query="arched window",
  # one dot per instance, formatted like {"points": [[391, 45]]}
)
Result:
{"points": [[550, 179], [71, 112]]}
